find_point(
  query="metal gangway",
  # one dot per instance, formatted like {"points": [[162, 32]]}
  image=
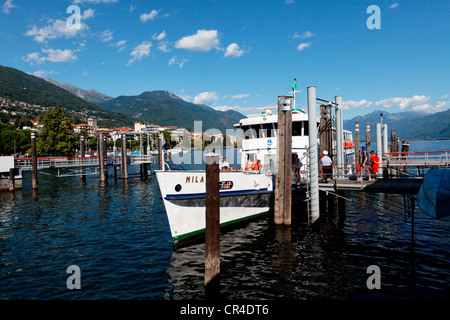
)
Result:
{"points": [[417, 159], [79, 162]]}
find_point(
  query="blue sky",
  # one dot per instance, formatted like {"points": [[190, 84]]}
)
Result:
{"points": [[239, 55]]}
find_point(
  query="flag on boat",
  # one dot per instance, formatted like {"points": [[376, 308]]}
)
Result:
{"points": [[294, 85]]}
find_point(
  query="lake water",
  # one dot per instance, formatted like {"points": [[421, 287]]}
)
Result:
{"points": [[117, 233]]}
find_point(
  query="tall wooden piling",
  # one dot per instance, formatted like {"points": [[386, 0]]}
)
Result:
{"points": [[357, 153], [12, 176], [160, 152], [82, 155], [124, 156], [393, 140], [212, 216], [34, 173], [325, 129], [339, 136], [101, 157], [144, 150], [283, 197]]}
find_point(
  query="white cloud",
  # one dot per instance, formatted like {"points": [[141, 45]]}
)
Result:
{"points": [[89, 13], [394, 5], [42, 73], [233, 50], [206, 97], [415, 103], [106, 35], [149, 16], [227, 108], [7, 6], [34, 57], [121, 45], [347, 105], [58, 29], [174, 60], [94, 1], [444, 96], [240, 96], [140, 51], [302, 46], [307, 34], [203, 40], [403, 103], [440, 106], [160, 36], [57, 55], [163, 47], [422, 107]]}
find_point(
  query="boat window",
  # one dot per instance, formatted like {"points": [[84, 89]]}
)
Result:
{"points": [[225, 185], [297, 128], [249, 132], [256, 130], [266, 130], [305, 128]]}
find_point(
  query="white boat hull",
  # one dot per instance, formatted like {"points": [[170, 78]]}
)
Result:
{"points": [[243, 195]]}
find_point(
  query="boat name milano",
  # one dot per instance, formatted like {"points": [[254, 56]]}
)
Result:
{"points": [[195, 179]]}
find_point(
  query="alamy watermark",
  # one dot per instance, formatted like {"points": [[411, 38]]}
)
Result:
{"points": [[374, 280], [74, 281], [374, 21], [74, 21]]}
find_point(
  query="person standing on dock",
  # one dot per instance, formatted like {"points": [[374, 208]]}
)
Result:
{"points": [[297, 165], [326, 164], [375, 160], [365, 163]]}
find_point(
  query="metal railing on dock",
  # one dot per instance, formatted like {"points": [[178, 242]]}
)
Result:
{"points": [[76, 162]]}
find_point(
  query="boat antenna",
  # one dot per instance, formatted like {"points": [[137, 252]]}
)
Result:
{"points": [[294, 90]]}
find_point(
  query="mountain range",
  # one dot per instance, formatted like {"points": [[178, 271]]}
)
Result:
{"points": [[164, 107], [159, 107], [20, 86], [87, 95], [407, 124]]}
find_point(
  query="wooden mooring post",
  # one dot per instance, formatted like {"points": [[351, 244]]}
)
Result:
{"points": [[123, 153], [160, 152], [101, 157], [212, 217], [34, 173], [12, 176], [357, 153], [82, 155], [283, 193]]}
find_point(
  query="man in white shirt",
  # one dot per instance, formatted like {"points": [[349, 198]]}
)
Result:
{"points": [[326, 165]]}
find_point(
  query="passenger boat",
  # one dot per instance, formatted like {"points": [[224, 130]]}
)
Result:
{"points": [[244, 193]]}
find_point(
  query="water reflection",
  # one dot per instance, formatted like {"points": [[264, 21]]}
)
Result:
{"points": [[118, 233]]}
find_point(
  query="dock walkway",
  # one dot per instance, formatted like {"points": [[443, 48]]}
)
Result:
{"points": [[396, 185]]}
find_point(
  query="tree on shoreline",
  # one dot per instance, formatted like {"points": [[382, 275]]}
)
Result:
{"points": [[56, 136]]}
